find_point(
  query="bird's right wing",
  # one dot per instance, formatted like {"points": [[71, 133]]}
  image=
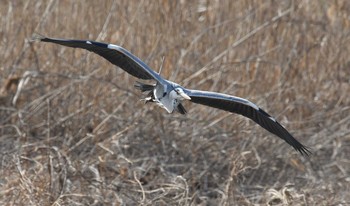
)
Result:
{"points": [[115, 54], [248, 109]]}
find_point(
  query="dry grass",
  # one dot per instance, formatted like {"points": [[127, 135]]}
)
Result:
{"points": [[73, 131]]}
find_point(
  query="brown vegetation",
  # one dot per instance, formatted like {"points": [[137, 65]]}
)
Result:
{"points": [[73, 131]]}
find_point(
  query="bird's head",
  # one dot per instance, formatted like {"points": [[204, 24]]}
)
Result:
{"points": [[180, 94]]}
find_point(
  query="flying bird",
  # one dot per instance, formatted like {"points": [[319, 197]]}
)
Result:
{"points": [[169, 95]]}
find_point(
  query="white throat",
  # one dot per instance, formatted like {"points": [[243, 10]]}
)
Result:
{"points": [[169, 101]]}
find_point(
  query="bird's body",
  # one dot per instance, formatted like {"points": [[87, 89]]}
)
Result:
{"points": [[169, 95]]}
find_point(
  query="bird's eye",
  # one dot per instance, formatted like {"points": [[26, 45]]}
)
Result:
{"points": [[164, 94]]}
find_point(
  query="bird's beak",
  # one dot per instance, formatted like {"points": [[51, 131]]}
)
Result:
{"points": [[185, 96]]}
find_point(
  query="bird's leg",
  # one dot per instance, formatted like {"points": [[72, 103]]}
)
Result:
{"points": [[149, 98], [181, 109], [146, 87]]}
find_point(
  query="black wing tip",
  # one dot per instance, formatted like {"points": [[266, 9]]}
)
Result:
{"points": [[304, 151], [36, 37]]}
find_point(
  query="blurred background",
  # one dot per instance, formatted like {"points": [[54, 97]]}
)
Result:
{"points": [[73, 131]]}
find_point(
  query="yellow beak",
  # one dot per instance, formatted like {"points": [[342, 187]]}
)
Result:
{"points": [[185, 96]]}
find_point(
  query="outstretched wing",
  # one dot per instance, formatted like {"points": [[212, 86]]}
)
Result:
{"points": [[115, 54], [248, 109]]}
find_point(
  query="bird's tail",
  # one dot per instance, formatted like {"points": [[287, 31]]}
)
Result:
{"points": [[144, 87]]}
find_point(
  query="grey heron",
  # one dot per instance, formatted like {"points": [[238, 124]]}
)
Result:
{"points": [[169, 95]]}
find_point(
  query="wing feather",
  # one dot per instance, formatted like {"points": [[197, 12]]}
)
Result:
{"points": [[115, 54], [248, 109]]}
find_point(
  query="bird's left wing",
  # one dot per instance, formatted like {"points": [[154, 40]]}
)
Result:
{"points": [[248, 109], [115, 54]]}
